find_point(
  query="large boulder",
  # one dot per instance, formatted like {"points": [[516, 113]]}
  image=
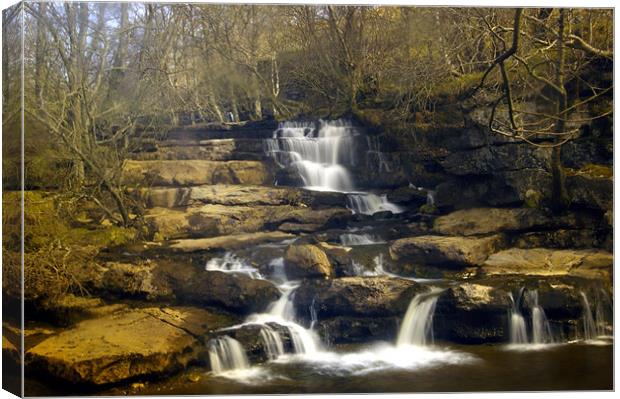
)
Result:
{"points": [[235, 292], [590, 264], [591, 191], [344, 330], [356, 297], [134, 280], [195, 172], [472, 313], [306, 261], [477, 221], [117, 347], [445, 251]]}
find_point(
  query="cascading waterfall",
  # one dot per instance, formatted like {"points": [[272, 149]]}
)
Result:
{"points": [[319, 158], [225, 354], [541, 329], [417, 325], [374, 155], [590, 330], [282, 312], [230, 263], [349, 239], [273, 342], [369, 204], [518, 329]]}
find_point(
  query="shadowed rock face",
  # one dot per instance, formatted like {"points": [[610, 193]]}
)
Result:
{"points": [[444, 251], [126, 345], [235, 292], [478, 221], [356, 297]]}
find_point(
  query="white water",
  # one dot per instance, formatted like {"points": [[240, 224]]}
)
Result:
{"points": [[594, 325], [417, 325], [369, 204], [539, 335], [518, 329], [349, 239], [320, 158], [225, 354], [541, 329], [231, 263]]}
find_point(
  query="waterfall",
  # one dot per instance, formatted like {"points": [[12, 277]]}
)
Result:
{"points": [[313, 314], [541, 330], [590, 330], [417, 325], [226, 353], [282, 312], [316, 156], [518, 329], [273, 342], [319, 158], [230, 263], [540, 327], [349, 239], [430, 198], [369, 203], [374, 151]]}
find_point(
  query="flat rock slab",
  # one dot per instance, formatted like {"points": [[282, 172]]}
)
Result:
{"points": [[126, 345], [217, 220], [444, 251], [195, 172], [228, 242], [590, 264], [249, 195], [477, 221]]}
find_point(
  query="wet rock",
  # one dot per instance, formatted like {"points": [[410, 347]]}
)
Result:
{"points": [[445, 251], [589, 264], [306, 261], [408, 195], [236, 292], [590, 191], [228, 242], [472, 314], [195, 172], [113, 348], [215, 220], [211, 150], [561, 238], [356, 297], [249, 336], [137, 280], [478, 221], [344, 330]]}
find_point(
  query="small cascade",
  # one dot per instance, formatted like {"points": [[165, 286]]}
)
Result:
{"points": [[230, 263], [518, 329], [313, 314], [349, 239], [591, 326], [225, 354], [541, 329], [282, 312], [417, 325], [273, 342], [430, 198], [375, 159], [369, 204]]}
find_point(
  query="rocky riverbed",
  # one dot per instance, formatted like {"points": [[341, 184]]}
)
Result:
{"points": [[291, 241]]}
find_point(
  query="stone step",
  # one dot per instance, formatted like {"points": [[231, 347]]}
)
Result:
{"points": [[212, 150], [227, 242], [215, 220], [225, 194], [196, 172]]}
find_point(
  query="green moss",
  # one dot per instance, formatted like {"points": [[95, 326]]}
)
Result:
{"points": [[429, 209], [593, 171], [456, 86]]}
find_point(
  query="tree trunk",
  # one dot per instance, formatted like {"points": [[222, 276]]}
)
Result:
{"points": [[559, 195]]}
